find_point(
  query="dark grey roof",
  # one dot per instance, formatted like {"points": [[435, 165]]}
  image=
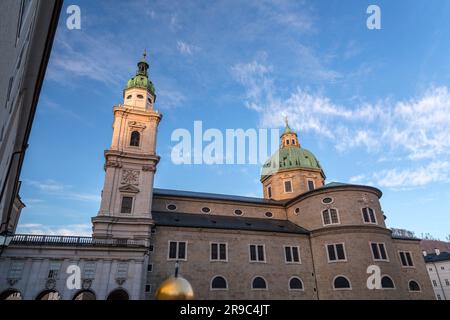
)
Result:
{"points": [[177, 219], [213, 196], [432, 257], [331, 185]]}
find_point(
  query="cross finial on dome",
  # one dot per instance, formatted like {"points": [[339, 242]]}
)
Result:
{"points": [[144, 55]]}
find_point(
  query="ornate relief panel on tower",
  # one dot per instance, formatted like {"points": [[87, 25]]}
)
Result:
{"points": [[130, 177], [135, 125]]}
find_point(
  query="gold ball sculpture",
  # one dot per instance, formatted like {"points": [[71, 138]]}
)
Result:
{"points": [[175, 288]]}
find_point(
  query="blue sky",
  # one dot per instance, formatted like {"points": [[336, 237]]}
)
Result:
{"points": [[372, 105]]}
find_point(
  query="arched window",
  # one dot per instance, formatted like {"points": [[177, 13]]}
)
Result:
{"points": [[259, 283], [387, 283], [48, 295], [219, 283], [135, 137], [84, 295], [118, 294], [413, 286], [295, 283], [341, 282], [330, 216], [10, 294]]}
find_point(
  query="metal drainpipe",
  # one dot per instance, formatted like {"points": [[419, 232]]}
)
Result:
{"points": [[314, 268]]}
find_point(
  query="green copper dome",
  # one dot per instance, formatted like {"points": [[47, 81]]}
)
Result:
{"points": [[290, 158], [141, 80]]}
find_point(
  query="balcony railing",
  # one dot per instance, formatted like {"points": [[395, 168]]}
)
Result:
{"points": [[72, 241]]}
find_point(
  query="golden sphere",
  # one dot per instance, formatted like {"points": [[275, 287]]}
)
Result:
{"points": [[175, 288]]}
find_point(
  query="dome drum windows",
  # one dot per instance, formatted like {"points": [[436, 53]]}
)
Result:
{"points": [[287, 186], [311, 185]]}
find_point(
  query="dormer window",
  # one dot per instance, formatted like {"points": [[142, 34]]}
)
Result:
{"points": [[287, 141], [135, 138], [129, 97], [140, 96], [293, 141]]}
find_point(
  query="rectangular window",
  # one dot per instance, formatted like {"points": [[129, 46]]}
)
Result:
{"points": [[150, 267], [16, 269], [148, 288], [122, 270], [368, 215], [330, 216], [127, 204], [434, 283], [311, 185], [378, 251], [54, 269], [287, 186], [177, 250], [438, 296], [89, 270], [219, 251], [336, 252], [269, 191], [405, 258], [447, 283], [257, 253], [292, 254]]}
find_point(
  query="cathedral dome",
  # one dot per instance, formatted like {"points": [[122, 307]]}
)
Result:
{"points": [[290, 158]]}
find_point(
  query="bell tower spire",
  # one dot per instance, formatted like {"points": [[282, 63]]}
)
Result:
{"points": [[130, 163]]}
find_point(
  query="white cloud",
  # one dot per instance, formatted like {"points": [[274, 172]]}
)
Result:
{"points": [[63, 230], [62, 191], [414, 129], [419, 127], [433, 172], [169, 98], [186, 48]]}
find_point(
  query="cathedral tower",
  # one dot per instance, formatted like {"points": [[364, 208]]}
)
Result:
{"points": [[130, 163], [291, 170]]}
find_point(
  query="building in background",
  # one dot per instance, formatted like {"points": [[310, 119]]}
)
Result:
{"points": [[27, 29], [438, 266]]}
